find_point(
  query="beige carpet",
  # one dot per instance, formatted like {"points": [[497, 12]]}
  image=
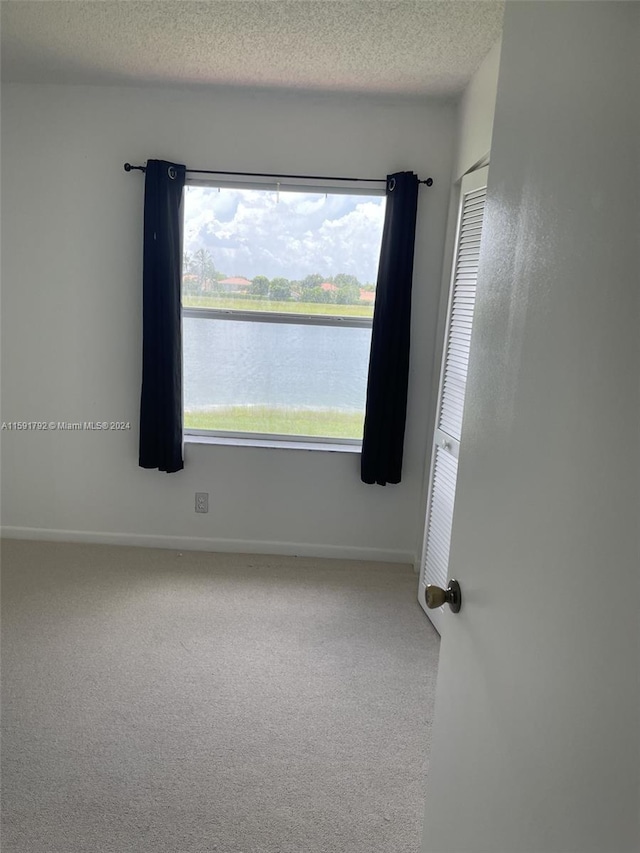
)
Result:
{"points": [[184, 703]]}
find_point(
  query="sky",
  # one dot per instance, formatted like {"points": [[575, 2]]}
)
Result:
{"points": [[288, 234]]}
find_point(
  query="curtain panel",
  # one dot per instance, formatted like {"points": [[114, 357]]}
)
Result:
{"points": [[386, 408], [161, 398]]}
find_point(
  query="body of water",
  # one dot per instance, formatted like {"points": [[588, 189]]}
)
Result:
{"points": [[231, 362]]}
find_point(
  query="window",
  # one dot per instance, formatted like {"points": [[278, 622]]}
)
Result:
{"points": [[278, 290]]}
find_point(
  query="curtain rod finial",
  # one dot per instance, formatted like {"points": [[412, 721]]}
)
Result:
{"points": [[428, 182]]}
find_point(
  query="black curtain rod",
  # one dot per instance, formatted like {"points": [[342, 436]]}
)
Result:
{"points": [[129, 168]]}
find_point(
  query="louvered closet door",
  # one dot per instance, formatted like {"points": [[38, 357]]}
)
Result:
{"points": [[453, 381]]}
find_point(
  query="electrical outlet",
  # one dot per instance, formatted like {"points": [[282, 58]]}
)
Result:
{"points": [[202, 501]]}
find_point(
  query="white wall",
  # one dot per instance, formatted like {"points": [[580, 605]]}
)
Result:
{"points": [[71, 300], [476, 111], [535, 737]]}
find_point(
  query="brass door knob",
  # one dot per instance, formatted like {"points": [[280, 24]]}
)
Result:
{"points": [[435, 596]]}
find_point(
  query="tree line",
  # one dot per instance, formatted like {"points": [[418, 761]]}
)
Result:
{"points": [[201, 277]]}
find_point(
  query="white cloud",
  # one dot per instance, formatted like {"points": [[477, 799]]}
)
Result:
{"points": [[292, 235]]}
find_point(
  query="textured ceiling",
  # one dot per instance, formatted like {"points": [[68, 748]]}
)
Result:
{"points": [[417, 47]]}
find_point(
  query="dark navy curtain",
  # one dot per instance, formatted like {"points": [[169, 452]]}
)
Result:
{"points": [[386, 409], [161, 400]]}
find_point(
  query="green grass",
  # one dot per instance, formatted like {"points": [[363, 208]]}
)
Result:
{"points": [[327, 423], [231, 303]]}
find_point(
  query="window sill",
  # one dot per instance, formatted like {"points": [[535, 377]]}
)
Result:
{"points": [[271, 444]]}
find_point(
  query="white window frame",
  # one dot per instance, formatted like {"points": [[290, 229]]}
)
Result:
{"points": [[303, 442]]}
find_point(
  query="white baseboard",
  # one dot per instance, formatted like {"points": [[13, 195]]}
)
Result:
{"points": [[194, 543]]}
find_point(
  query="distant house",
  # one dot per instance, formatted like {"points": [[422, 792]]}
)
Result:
{"points": [[235, 284], [327, 285], [367, 296]]}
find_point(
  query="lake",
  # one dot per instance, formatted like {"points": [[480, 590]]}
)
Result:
{"points": [[232, 362]]}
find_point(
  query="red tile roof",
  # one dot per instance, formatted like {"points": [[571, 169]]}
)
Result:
{"points": [[239, 280]]}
